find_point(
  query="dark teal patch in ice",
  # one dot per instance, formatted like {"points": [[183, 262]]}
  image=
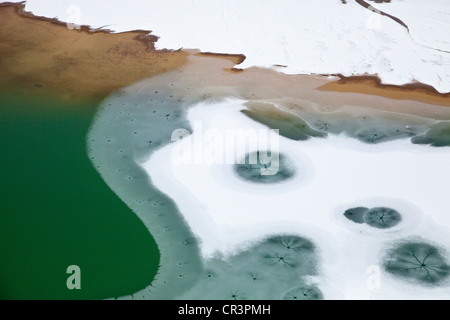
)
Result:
{"points": [[303, 293], [437, 136], [370, 136], [273, 170], [379, 217], [379, 131], [418, 262], [382, 218], [289, 125], [371, 129], [267, 270], [291, 243], [356, 214], [285, 252]]}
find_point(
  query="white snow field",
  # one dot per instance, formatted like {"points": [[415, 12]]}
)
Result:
{"points": [[321, 37], [428, 24]]}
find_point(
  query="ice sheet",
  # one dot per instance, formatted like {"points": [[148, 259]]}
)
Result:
{"points": [[333, 174]]}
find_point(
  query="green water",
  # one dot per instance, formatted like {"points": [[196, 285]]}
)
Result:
{"points": [[56, 211]]}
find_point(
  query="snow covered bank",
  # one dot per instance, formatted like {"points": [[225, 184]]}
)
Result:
{"points": [[321, 37], [428, 22]]}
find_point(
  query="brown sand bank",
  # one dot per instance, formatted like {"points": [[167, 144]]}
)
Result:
{"points": [[207, 77], [41, 55], [235, 58], [372, 85]]}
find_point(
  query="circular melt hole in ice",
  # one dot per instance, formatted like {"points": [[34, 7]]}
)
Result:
{"points": [[264, 167], [303, 293], [418, 262], [379, 217], [382, 218]]}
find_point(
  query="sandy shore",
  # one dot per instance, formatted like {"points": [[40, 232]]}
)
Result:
{"points": [[43, 56], [372, 85]]}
